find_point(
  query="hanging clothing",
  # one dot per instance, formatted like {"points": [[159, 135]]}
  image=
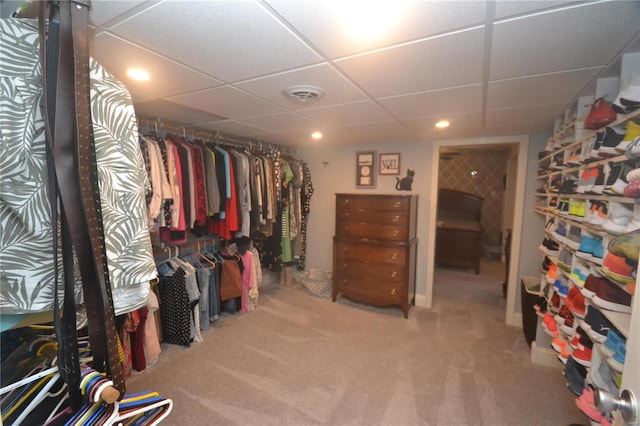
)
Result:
{"points": [[27, 269], [175, 311]]}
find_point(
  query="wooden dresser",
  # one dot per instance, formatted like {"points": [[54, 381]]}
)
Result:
{"points": [[374, 249]]}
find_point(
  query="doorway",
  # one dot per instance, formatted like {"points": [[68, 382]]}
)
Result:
{"points": [[475, 216], [513, 180]]}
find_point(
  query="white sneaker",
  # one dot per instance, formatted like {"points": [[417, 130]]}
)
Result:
{"points": [[633, 175]]}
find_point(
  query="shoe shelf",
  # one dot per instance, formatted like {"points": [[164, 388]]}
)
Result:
{"points": [[585, 225]]}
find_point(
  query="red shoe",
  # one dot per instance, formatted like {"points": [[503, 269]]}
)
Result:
{"points": [[601, 114]]}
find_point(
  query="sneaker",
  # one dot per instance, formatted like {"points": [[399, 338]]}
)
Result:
{"points": [[599, 214], [611, 297], [596, 325], [613, 136], [616, 361], [619, 268], [574, 237], [593, 154], [600, 115], [576, 376], [560, 231], [582, 355], [618, 218], [613, 344], [561, 286], [565, 260], [577, 209], [550, 247], [586, 403], [579, 275], [633, 175], [552, 273], [632, 190], [598, 252], [598, 185], [632, 131], [587, 179], [617, 178], [575, 302], [569, 184], [586, 247], [633, 149], [628, 99]]}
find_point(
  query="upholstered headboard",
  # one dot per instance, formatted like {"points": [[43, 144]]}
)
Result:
{"points": [[451, 200]]}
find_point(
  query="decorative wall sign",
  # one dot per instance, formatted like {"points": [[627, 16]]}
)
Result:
{"points": [[366, 169], [390, 164]]}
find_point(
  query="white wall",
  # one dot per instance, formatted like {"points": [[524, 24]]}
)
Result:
{"points": [[339, 176]]}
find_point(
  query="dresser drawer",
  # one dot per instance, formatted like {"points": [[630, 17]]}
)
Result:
{"points": [[375, 271], [372, 291], [366, 253], [371, 231], [368, 204], [384, 217]]}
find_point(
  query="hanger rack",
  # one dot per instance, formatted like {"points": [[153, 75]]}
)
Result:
{"points": [[163, 254]]}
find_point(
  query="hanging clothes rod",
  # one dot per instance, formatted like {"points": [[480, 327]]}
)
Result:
{"points": [[162, 254], [215, 137]]}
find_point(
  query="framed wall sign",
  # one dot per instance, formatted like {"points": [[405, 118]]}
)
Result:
{"points": [[366, 169], [390, 164]]}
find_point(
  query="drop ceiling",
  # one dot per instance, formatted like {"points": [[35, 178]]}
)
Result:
{"points": [[490, 68]]}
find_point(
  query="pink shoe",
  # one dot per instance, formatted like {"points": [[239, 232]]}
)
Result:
{"points": [[586, 404]]}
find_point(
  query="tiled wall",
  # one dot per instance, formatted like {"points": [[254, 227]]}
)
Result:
{"points": [[489, 184]]}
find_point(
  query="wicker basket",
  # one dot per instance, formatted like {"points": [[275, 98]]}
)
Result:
{"points": [[317, 282]]}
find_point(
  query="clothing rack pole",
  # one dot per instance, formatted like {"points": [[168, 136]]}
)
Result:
{"points": [[218, 137], [162, 254]]}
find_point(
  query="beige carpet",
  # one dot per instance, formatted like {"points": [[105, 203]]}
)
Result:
{"points": [[303, 360]]}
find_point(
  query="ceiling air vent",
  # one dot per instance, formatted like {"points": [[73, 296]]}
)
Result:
{"points": [[303, 94]]}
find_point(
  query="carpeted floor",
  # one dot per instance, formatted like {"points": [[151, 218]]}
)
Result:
{"points": [[303, 360]]}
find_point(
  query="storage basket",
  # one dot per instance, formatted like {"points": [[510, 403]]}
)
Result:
{"points": [[317, 282]]}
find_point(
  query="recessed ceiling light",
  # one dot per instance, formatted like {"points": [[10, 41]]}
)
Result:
{"points": [[442, 124], [316, 136], [138, 74]]}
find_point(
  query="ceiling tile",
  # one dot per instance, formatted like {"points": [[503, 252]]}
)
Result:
{"points": [[167, 77], [341, 115], [461, 125], [287, 121], [540, 89], [435, 103], [328, 25], [227, 102], [230, 127], [241, 40], [506, 8], [562, 40], [336, 88], [452, 60], [173, 113], [526, 115], [100, 12], [370, 132]]}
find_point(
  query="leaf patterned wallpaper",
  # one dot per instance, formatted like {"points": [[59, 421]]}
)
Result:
{"points": [[488, 182]]}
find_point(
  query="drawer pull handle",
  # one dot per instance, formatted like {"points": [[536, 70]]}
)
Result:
{"points": [[395, 233], [346, 227], [345, 266], [396, 219], [396, 204], [394, 256], [393, 291], [394, 274], [345, 202], [346, 214]]}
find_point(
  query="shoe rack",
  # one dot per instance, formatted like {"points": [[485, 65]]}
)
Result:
{"points": [[581, 197]]}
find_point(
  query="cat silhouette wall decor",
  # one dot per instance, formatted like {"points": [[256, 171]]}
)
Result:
{"points": [[405, 183]]}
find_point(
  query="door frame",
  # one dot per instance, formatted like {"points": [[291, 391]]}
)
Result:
{"points": [[512, 317]]}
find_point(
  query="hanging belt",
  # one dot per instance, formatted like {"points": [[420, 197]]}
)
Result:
{"points": [[76, 172]]}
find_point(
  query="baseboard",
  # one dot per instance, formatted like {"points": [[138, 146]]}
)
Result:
{"points": [[544, 356], [421, 300]]}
